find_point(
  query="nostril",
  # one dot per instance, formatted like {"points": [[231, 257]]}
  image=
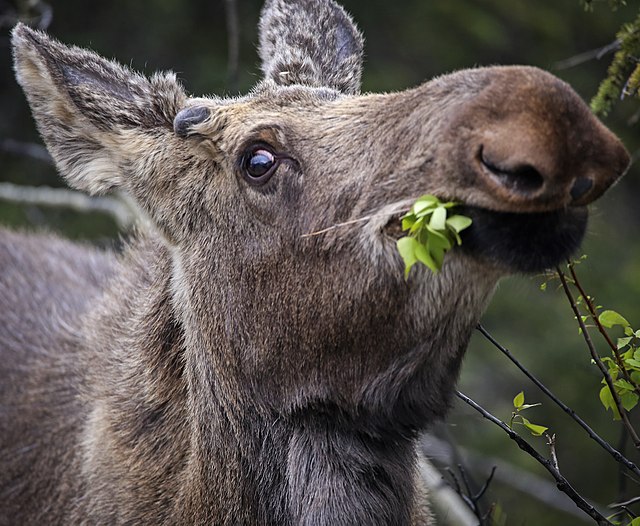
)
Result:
{"points": [[580, 187], [521, 178]]}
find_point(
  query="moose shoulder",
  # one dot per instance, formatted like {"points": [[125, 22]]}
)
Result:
{"points": [[227, 368]]}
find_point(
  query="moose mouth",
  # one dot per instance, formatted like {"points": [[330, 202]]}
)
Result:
{"points": [[521, 242]]}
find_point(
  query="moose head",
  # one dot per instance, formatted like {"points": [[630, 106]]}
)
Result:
{"points": [[300, 365]]}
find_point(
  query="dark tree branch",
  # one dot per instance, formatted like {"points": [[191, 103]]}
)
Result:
{"points": [[617, 456], [561, 482]]}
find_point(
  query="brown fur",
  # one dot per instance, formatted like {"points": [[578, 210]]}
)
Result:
{"points": [[227, 368]]}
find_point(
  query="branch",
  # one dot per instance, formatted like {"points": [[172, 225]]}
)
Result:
{"points": [[598, 361], [561, 482], [45, 196], [26, 149], [444, 499], [594, 316], [586, 56], [443, 452], [618, 457]]}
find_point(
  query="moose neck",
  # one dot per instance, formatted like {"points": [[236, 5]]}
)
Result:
{"points": [[309, 430]]}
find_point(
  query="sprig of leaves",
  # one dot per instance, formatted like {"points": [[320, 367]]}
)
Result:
{"points": [[430, 233], [628, 366], [517, 418]]}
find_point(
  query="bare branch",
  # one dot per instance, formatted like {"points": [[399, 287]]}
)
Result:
{"points": [[561, 482], [618, 457], [443, 498], [445, 452], [26, 149], [592, 54], [60, 197]]}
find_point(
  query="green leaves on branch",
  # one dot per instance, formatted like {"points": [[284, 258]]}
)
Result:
{"points": [[430, 233], [623, 75], [516, 418], [624, 368]]}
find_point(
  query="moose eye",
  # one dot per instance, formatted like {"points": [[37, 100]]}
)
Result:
{"points": [[259, 165]]}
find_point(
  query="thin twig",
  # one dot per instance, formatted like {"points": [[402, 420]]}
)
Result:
{"points": [[551, 442], [629, 502], [594, 316], [598, 360], [561, 482], [26, 149], [617, 456], [347, 223], [586, 56], [45, 196]]}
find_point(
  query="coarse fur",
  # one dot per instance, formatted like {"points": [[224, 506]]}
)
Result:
{"points": [[244, 361]]}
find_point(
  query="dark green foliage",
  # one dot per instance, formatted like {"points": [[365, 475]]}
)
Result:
{"points": [[623, 76]]}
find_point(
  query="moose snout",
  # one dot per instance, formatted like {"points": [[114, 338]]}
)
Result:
{"points": [[536, 145]]}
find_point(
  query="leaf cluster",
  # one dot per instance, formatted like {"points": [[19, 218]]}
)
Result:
{"points": [[430, 233], [517, 418], [624, 368], [623, 75]]}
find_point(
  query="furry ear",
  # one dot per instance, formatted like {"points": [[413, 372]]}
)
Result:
{"points": [[310, 42], [85, 105]]}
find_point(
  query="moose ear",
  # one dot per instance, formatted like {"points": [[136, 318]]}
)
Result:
{"points": [[310, 42], [89, 110]]}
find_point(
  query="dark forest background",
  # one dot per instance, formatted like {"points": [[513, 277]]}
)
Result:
{"points": [[407, 42]]}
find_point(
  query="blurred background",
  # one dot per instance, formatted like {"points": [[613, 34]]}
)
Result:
{"points": [[407, 42]]}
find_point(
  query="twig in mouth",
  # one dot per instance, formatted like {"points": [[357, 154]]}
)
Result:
{"points": [[352, 222]]}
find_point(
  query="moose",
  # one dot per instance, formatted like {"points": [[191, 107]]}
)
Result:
{"points": [[239, 361]]}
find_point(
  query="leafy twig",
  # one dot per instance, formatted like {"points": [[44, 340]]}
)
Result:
{"points": [[598, 360], [561, 482], [594, 316], [617, 456]]}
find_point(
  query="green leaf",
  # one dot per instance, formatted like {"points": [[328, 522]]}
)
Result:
{"points": [[423, 204], [518, 401], [407, 248], [408, 221], [422, 254], [458, 223], [635, 522], [629, 400], [608, 402], [623, 384], [438, 219], [610, 318], [527, 406], [623, 342], [632, 362], [535, 429]]}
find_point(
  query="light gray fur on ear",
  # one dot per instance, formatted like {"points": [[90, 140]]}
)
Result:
{"points": [[310, 42], [93, 114]]}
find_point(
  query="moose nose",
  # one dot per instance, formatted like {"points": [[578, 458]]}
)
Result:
{"points": [[538, 146]]}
